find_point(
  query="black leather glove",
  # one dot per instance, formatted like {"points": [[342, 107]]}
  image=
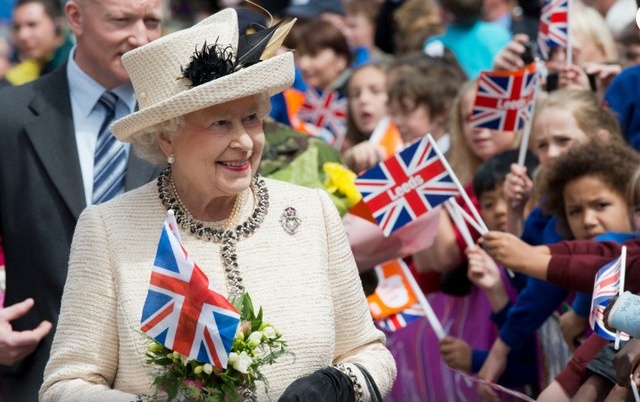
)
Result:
{"points": [[326, 385]]}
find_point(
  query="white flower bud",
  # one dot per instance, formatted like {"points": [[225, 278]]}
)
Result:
{"points": [[255, 338], [239, 334], [208, 368], [198, 369]]}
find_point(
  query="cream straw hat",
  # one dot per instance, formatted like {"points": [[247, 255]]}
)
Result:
{"points": [[162, 92]]}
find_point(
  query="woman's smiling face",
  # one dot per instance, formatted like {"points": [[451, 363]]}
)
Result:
{"points": [[218, 149]]}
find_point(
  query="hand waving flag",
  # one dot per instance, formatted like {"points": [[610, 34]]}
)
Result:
{"points": [[183, 310]]}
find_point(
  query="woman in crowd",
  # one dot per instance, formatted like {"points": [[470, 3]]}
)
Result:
{"points": [[277, 238]]}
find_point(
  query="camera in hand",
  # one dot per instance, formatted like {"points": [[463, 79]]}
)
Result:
{"points": [[528, 55]]}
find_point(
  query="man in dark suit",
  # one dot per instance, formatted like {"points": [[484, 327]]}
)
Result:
{"points": [[48, 134]]}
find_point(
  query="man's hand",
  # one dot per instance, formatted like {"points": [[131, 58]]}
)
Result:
{"points": [[16, 345]]}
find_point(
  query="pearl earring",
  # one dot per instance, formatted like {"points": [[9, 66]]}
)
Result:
{"points": [[171, 159]]}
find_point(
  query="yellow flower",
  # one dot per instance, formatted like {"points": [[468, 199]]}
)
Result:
{"points": [[341, 180]]}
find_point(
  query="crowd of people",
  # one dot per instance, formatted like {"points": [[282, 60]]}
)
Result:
{"points": [[117, 111]]}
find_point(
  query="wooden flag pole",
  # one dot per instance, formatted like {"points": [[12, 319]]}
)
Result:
{"points": [[468, 218], [569, 45], [634, 388], [526, 131], [459, 222], [424, 303], [623, 273]]}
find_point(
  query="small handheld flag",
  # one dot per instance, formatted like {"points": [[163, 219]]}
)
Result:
{"points": [[414, 311], [393, 293], [608, 283], [387, 136], [325, 115], [183, 310], [504, 99], [553, 30], [407, 185]]}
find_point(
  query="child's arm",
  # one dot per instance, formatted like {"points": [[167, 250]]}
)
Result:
{"points": [[513, 253], [485, 274], [456, 353], [572, 326]]}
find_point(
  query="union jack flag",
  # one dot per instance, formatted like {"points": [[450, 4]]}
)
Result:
{"points": [[407, 185], [606, 285], [325, 113], [553, 30], [504, 99], [401, 319], [183, 311]]}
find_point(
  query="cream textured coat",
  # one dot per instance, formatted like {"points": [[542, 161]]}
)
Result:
{"points": [[307, 284]]}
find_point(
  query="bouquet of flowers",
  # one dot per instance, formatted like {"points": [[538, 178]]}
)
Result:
{"points": [[256, 343]]}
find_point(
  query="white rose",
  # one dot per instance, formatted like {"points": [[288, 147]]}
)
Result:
{"points": [[208, 368], [269, 333], [233, 357], [242, 363]]}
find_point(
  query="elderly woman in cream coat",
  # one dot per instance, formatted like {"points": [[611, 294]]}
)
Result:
{"points": [[289, 248]]}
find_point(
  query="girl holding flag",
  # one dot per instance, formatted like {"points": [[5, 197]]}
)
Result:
{"points": [[588, 195], [564, 120], [367, 114]]}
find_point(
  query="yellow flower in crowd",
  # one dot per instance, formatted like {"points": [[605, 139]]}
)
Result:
{"points": [[341, 180]]}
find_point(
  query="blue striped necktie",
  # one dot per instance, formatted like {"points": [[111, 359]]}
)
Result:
{"points": [[110, 160]]}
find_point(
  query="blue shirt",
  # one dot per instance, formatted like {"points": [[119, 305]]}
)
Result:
{"points": [[622, 98], [475, 45], [531, 310]]}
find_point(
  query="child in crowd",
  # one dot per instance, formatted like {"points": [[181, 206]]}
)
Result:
{"points": [[522, 372], [565, 119], [573, 264], [360, 21], [589, 198], [629, 45], [366, 111], [324, 60], [420, 103]]}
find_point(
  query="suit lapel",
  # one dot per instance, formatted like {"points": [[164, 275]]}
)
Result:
{"points": [[52, 135]]}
